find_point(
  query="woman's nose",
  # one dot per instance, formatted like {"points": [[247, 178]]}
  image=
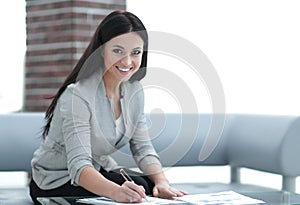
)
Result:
{"points": [[126, 60]]}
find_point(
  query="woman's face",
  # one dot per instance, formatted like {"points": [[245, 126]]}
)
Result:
{"points": [[123, 56]]}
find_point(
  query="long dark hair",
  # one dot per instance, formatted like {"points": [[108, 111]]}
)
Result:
{"points": [[114, 24]]}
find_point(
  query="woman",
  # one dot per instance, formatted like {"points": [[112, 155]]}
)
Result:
{"points": [[99, 109]]}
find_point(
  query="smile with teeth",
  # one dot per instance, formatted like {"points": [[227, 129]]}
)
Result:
{"points": [[123, 69]]}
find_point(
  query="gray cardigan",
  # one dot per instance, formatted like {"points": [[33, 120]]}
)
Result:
{"points": [[83, 133]]}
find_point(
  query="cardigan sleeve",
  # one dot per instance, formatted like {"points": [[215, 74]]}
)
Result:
{"points": [[140, 144], [76, 115]]}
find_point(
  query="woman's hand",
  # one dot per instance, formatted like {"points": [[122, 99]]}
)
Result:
{"points": [[129, 192], [164, 190], [162, 186]]}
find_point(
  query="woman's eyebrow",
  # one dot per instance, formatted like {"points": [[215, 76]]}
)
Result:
{"points": [[118, 46]]}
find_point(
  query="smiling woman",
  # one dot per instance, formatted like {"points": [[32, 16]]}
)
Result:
{"points": [[98, 110], [12, 52]]}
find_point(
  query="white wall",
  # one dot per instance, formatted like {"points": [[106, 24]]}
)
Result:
{"points": [[254, 46], [12, 54]]}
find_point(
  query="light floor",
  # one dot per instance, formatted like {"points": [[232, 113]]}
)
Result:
{"points": [[177, 175]]}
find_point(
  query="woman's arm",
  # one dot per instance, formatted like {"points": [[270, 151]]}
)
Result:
{"points": [[95, 182], [162, 187]]}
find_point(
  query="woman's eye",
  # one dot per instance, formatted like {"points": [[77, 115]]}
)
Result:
{"points": [[136, 52], [117, 51]]}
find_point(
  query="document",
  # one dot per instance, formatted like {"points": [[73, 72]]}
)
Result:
{"points": [[224, 198]]}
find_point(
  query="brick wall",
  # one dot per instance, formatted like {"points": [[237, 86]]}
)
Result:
{"points": [[58, 31]]}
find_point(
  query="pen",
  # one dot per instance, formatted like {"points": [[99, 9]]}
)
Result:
{"points": [[128, 178], [125, 175]]}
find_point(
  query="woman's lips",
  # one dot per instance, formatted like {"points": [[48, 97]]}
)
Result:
{"points": [[123, 69]]}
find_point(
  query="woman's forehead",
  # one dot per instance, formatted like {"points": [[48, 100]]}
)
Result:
{"points": [[127, 40]]}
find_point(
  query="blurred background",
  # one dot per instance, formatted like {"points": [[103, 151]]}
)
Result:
{"points": [[253, 45], [12, 54]]}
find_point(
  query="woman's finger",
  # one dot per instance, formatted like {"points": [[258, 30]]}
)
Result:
{"points": [[139, 189], [168, 192], [134, 191]]}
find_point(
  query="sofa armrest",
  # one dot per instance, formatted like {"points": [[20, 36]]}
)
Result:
{"points": [[266, 143], [20, 135]]}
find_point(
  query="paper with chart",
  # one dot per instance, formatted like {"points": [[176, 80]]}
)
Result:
{"points": [[224, 198]]}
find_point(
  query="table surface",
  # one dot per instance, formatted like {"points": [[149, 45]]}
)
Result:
{"points": [[270, 198]]}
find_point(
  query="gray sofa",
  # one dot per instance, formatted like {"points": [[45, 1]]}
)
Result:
{"points": [[261, 142]]}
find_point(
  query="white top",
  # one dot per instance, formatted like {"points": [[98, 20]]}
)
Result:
{"points": [[120, 128]]}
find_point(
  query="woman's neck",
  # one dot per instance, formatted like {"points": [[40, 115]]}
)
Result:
{"points": [[112, 87]]}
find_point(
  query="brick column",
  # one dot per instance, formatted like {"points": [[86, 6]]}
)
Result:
{"points": [[58, 31]]}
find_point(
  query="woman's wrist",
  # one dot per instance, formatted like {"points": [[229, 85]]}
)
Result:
{"points": [[161, 180], [113, 191], [155, 172]]}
